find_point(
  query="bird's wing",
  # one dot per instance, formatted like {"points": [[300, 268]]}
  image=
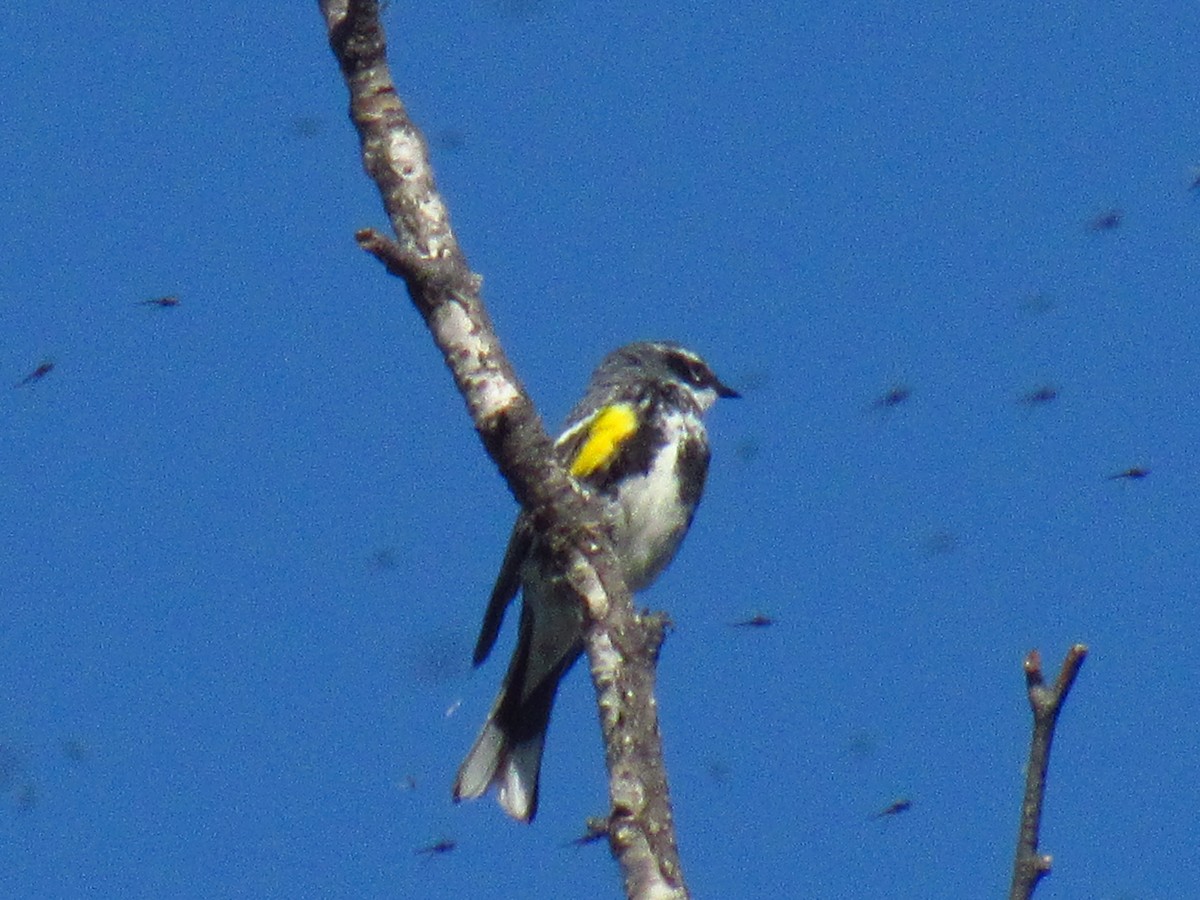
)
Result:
{"points": [[588, 448], [508, 582]]}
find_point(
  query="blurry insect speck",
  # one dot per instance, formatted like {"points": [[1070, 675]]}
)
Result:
{"points": [[894, 808], [893, 397], [1105, 221], [445, 845], [758, 620], [383, 559], [438, 657], [862, 744], [307, 126], [1037, 304], [26, 797], [940, 542], [748, 450], [1131, 474], [1046, 393], [719, 770], [10, 766], [44, 368], [451, 139]]}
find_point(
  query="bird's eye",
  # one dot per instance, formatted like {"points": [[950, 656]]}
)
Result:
{"points": [[690, 370]]}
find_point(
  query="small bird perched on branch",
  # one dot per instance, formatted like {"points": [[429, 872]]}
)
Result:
{"points": [[636, 441]]}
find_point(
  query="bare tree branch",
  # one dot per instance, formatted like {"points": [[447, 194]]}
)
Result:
{"points": [[1029, 867], [622, 646]]}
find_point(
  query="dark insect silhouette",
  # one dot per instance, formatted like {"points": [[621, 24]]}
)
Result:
{"points": [[445, 845], [1105, 221], [893, 397], [162, 302], [44, 368], [1046, 393], [383, 559], [939, 542], [307, 126], [894, 808], [1037, 303], [758, 620], [1131, 474]]}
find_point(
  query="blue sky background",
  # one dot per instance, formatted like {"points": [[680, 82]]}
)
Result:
{"points": [[247, 540]]}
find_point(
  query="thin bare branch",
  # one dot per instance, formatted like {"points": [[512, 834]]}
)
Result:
{"points": [[1030, 866], [622, 646]]}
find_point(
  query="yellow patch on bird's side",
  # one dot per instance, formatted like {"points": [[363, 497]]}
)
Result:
{"points": [[610, 428]]}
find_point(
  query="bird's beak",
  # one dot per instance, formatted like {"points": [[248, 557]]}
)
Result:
{"points": [[724, 390]]}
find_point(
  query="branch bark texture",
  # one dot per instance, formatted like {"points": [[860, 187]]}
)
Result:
{"points": [[622, 646]]}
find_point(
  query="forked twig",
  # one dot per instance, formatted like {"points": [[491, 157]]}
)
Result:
{"points": [[1030, 866]]}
